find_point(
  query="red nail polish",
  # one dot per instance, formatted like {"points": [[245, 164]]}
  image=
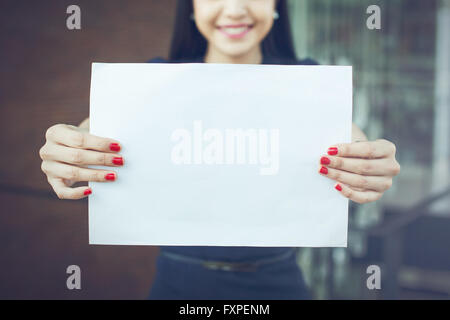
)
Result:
{"points": [[87, 192], [338, 187], [323, 170], [110, 176], [114, 147], [325, 161], [118, 161], [332, 151]]}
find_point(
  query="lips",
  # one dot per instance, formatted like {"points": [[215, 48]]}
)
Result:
{"points": [[235, 31]]}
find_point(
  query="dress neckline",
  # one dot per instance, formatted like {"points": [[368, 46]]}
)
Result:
{"points": [[266, 60]]}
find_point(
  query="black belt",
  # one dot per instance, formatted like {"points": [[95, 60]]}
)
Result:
{"points": [[230, 266]]}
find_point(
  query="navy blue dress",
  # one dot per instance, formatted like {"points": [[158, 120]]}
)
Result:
{"points": [[214, 273]]}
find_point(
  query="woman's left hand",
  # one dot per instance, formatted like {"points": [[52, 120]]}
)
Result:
{"points": [[363, 170]]}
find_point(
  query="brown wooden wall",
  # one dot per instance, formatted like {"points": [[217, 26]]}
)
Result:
{"points": [[44, 80]]}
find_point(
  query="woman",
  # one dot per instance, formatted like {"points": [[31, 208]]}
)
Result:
{"points": [[224, 31]]}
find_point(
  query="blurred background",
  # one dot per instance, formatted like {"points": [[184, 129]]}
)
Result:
{"points": [[402, 93]]}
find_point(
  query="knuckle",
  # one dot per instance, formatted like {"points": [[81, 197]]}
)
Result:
{"points": [[43, 153], [362, 199], [371, 150], [365, 168], [349, 193], [392, 147], [76, 157], [359, 169], [387, 184], [73, 173], [94, 176], [336, 175], [345, 148], [365, 150], [50, 133], [396, 169], [101, 159], [366, 199], [357, 200], [101, 176], [338, 163], [102, 145], [363, 182], [78, 139], [44, 167]]}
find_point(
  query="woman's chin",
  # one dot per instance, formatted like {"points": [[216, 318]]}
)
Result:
{"points": [[236, 51]]}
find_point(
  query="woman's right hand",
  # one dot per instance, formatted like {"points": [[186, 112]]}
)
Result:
{"points": [[67, 152]]}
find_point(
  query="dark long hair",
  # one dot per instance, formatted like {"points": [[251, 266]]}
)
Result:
{"points": [[188, 43]]}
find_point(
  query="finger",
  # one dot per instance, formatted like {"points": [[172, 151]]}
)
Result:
{"points": [[73, 173], [356, 181], [364, 149], [71, 136], [358, 196], [65, 154], [64, 192], [366, 167]]}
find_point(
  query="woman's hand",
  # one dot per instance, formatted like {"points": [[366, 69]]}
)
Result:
{"points": [[363, 170], [67, 152]]}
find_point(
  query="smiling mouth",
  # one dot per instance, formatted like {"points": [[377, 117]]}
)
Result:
{"points": [[235, 31]]}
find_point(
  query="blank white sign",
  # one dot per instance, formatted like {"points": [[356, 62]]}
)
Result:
{"points": [[220, 155]]}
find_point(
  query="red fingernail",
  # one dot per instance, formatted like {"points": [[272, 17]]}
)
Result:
{"points": [[87, 192], [323, 170], [118, 161], [110, 176], [114, 147], [325, 161], [332, 151], [338, 187]]}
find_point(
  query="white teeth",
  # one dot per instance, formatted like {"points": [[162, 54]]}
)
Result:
{"points": [[235, 30]]}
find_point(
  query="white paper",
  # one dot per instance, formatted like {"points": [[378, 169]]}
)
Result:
{"points": [[156, 201]]}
